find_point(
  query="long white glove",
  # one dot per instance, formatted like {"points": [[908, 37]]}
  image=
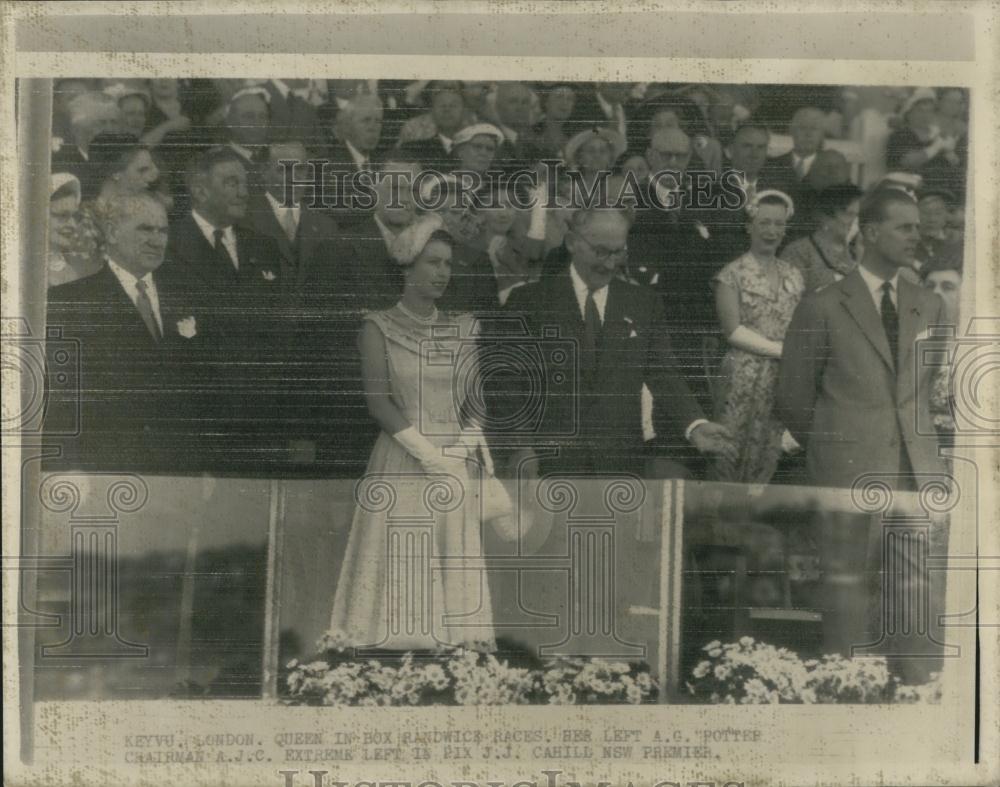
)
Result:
{"points": [[423, 450], [536, 227], [474, 440], [789, 444], [745, 339]]}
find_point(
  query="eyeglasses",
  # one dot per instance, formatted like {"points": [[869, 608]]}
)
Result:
{"points": [[603, 254]]}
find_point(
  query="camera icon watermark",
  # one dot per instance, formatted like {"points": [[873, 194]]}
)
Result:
{"points": [[965, 369], [50, 377], [512, 384]]}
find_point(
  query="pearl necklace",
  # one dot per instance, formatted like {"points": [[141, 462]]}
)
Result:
{"points": [[428, 320]]}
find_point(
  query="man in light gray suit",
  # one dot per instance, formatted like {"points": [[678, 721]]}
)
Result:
{"points": [[849, 390], [852, 393]]}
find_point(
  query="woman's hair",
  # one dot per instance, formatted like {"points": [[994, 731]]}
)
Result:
{"points": [[439, 235], [834, 199], [111, 153]]}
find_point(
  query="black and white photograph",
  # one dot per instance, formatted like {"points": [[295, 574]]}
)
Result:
{"points": [[350, 395]]}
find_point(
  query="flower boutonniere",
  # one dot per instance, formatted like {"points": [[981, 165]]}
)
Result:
{"points": [[268, 275], [630, 327], [188, 327]]}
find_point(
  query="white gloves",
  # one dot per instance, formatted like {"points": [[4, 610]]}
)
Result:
{"points": [[789, 445], [474, 439], [745, 339], [423, 450], [536, 227], [432, 458]]}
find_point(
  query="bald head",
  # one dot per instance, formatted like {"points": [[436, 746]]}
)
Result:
{"points": [[808, 130], [513, 103], [669, 149], [360, 122]]}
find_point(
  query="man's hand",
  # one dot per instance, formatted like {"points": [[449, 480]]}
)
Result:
{"points": [[714, 440]]}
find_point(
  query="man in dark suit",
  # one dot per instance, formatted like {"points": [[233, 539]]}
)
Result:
{"points": [[318, 309], [606, 104], [788, 171], [671, 249], [354, 153], [520, 149], [138, 351], [233, 277], [620, 330], [852, 393]]}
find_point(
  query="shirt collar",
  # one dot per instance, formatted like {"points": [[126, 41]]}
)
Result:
{"points": [[129, 280], [277, 207], [874, 283], [446, 141], [359, 157], [208, 229]]}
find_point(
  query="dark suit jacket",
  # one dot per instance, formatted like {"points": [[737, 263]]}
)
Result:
{"points": [[841, 395], [602, 406], [137, 399], [245, 334], [348, 200], [431, 154]]}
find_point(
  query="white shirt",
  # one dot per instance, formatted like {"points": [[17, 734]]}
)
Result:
{"points": [[228, 237], [446, 142], [360, 159], [874, 284], [129, 283], [601, 299], [284, 215], [581, 290], [806, 163]]}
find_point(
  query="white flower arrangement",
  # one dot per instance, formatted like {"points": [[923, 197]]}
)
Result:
{"points": [[751, 673], [459, 676]]}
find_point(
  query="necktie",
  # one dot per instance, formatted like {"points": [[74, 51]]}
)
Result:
{"points": [[221, 251], [890, 322], [145, 307], [591, 331]]}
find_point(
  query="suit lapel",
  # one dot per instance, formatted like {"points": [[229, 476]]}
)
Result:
{"points": [[270, 226], [613, 333], [910, 319], [203, 257], [123, 304], [858, 302]]}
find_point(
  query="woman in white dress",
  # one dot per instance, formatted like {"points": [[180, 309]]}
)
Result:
{"points": [[411, 578]]}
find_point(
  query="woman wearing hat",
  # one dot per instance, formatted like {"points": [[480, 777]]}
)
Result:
{"points": [[920, 146], [475, 147], [755, 296], [427, 463], [592, 152], [825, 256], [66, 261]]}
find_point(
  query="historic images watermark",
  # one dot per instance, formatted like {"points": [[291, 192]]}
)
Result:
{"points": [[432, 190]]}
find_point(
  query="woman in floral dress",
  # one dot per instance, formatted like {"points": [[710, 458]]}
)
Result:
{"points": [[755, 296], [410, 579]]}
